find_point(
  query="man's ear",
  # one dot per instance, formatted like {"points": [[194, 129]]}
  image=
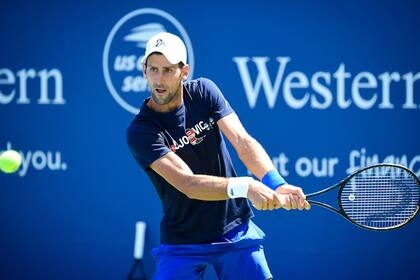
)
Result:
{"points": [[185, 71], [143, 66]]}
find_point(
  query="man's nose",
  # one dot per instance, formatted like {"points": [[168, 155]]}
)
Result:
{"points": [[158, 77]]}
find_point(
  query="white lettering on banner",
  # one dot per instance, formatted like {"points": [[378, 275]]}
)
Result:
{"points": [[357, 85], [10, 83], [386, 81], [359, 159], [321, 166], [409, 84], [39, 160], [323, 91], [299, 90], [124, 48], [262, 79], [280, 164], [129, 63]]}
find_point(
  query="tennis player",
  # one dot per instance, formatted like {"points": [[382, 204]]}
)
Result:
{"points": [[177, 139]]}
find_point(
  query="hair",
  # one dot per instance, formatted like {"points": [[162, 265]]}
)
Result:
{"points": [[180, 64]]}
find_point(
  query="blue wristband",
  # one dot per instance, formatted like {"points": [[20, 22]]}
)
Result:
{"points": [[273, 179]]}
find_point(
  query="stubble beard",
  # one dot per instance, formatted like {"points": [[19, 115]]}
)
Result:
{"points": [[163, 100]]}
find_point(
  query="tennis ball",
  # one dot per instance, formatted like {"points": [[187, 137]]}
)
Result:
{"points": [[10, 161]]}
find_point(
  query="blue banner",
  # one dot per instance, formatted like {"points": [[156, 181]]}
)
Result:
{"points": [[326, 88]]}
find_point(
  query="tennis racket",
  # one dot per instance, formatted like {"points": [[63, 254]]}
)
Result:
{"points": [[378, 197]]}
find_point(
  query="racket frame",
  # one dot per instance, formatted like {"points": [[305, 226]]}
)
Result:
{"points": [[343, 182]]}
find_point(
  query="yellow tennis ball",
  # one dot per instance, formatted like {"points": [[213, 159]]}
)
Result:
{"points": [[10, 161]]}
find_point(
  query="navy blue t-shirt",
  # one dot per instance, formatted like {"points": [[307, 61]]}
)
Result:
{"points": [[191, 132]]}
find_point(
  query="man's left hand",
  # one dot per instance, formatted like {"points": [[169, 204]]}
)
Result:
{"points": [[296, 195]]}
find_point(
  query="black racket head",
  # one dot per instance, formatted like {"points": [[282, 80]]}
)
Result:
{"points": [[380, 197]]}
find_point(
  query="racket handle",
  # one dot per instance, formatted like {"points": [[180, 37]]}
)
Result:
{"points": [[139, 240]]}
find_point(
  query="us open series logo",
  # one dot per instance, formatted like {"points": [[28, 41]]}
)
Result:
{"points": [[124, 50]]}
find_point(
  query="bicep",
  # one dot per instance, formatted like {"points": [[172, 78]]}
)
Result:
{"points": [[174, 170]]}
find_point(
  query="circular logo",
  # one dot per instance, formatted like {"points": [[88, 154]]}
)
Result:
{"points": [[124, 49]]}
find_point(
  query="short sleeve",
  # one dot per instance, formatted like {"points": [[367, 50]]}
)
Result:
{"points": [[219, 106], [146, 144]]}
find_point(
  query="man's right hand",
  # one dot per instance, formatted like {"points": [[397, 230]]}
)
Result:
{"points": [[264, 198]]}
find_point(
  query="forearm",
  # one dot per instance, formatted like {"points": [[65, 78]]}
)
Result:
{"points": [[196, 186], [253, 155], [255, 158], [204, 187], [211, 188]]}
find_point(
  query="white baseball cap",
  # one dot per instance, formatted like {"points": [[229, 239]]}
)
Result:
{"points": [[170, 45]]}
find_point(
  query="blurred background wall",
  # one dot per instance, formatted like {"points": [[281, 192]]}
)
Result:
{"points": [[326, 87]]}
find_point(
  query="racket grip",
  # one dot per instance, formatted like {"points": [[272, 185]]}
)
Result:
{"points": [[139, 240]]}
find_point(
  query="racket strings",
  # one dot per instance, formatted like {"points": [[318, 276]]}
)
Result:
{"points": [[381, 197]]}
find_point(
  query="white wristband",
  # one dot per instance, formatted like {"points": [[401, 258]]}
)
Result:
{"points": [[238, 187]]}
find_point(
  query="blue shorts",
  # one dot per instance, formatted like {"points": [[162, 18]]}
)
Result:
{"points": [[237, 255]]}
